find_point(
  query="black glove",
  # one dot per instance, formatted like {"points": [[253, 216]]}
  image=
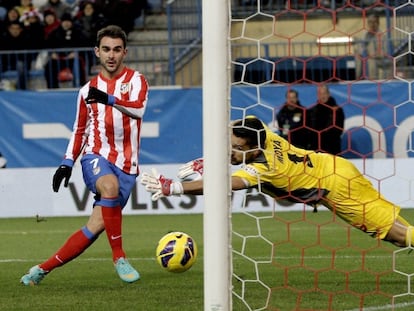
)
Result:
{"points": [[63, 172], [97, 96]]}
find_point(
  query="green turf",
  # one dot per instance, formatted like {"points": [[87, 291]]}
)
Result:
{"points": [[318, 263]]}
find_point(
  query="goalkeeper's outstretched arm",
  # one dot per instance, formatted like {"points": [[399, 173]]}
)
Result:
{"points": [[196, 187], [161, 186]]}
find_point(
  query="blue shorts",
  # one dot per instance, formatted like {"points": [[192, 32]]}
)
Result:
{"points": [[95, 166]]}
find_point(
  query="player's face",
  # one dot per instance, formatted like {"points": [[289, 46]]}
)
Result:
{"points": [[111, 53], [241, 152]]}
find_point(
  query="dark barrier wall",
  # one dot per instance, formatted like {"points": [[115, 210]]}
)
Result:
{"points": [[35, 126]]}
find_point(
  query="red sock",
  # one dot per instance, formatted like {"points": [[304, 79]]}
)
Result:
{"points": [[112, 217], [73, 247]]}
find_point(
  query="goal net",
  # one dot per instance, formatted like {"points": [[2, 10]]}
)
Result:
{"points": [[289, 256]]}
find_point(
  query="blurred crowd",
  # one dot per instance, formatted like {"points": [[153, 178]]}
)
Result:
{"points": [[86, 14], [53, 24]]}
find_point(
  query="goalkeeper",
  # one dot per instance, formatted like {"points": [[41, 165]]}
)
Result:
{"points": [[283, 171]]}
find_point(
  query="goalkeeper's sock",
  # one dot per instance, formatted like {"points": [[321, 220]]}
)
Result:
{"points": [[75, 245], [112, 217], [409, 235]]}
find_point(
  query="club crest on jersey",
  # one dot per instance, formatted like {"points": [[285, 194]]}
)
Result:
{"points": [[124, 88], [96, 170]]}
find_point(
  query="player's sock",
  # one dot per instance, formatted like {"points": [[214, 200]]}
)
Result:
{"points": [[73, 247], [112, 216], [409, 235]]}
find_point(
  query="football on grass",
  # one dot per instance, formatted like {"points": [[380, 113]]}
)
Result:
{"points": [[176, 252]]}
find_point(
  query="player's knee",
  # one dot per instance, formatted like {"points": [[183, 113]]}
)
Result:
{"points": [[108, 186], [109, 190]]}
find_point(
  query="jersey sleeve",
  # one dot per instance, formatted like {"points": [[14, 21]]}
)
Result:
{"points": [[80, 126], [252, 174]]}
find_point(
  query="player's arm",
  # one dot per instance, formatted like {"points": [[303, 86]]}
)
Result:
{"points": [[194, 170], [161, 186], [196, 187], [134, 109], [130, 112], [74, 147]]}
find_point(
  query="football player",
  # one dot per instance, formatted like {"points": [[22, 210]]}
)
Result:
{"points": [[106, 132], [283, 171]]}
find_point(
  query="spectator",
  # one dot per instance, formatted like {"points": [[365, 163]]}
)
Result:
{"points": [[89, 20], [25, 6], [65, 36], [291, 120], [12, 15], [57, 6], [15, 39], [34, 28], [34, 32], [372, 52], [51, 22], [326, 122], [121, 12]]}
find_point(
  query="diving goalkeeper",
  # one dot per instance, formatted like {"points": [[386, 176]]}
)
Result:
{"points": [[283, 171]]}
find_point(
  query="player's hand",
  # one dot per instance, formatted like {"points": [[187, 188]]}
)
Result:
{"points": [[97, 96], [63, 172], [192, 170], [160, 186]]}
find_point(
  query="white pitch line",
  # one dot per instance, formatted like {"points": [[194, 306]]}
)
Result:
{"points": [[33, 232], [8, 260]]}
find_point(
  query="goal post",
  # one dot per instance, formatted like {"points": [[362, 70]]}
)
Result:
{"points": [[217, 191], [274, 255]]}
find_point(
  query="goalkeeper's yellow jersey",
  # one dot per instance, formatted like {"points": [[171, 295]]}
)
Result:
{"points": [[284, 170]]}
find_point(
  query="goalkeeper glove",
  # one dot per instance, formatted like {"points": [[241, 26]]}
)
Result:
{"points": [[63, 172], [160, 186], [192, 170], [97, 96]]}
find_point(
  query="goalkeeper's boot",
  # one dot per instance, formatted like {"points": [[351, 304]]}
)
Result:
{"points": [[125, 271], [34, 276]]}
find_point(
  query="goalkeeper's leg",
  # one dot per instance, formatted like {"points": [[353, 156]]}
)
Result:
{"points": [[401, 233]]}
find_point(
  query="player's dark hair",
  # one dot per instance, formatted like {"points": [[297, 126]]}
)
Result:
{"points": [[111, 31], [252, 130]]}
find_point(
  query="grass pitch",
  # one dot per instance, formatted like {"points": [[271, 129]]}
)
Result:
{"points": [[90, 282], [317, 263]]}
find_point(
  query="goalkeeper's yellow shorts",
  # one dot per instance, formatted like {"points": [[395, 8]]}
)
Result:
{"points": [[353, 198]]}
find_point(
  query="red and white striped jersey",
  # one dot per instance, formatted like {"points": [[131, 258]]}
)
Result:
{"points": [[102, 129]]}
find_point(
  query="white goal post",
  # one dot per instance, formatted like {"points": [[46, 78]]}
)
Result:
{"points": [[217, 191], [290, 260]]}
